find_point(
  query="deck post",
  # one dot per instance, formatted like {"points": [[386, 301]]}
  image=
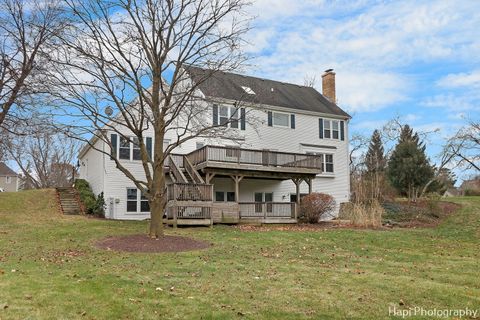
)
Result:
{"points": [[175, 208], [297, 182], [295, 213], [309, 181], [237, 180]]}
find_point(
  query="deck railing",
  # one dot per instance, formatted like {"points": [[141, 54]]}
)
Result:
{"points": [[268, 210], [189, 192], [255, 157], [189, 212]]}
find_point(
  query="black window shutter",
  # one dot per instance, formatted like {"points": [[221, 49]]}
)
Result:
{"points": [[342, 130], [292, 121], [242, 119], [215, 115], [114, 142], [270, 119], [148, 144], [320, 128]]}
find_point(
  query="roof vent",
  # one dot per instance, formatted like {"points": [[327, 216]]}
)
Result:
{"points": [[271, 89], [248, 90]]}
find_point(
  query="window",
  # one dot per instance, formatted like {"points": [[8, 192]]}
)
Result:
{"points": [[129, 148], [8, 180], [223, 116], [281, 119], [331, 129], [231, 196], [261, 197], [329, 162], [326, 161], [131, 200], [136, 154], [326, 129], [136, 204], [228, 116], [124, 148], [144, 205], [219, 196], [335, 129]]}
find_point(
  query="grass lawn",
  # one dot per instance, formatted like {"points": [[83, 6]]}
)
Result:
{"points": [[50, 270]]}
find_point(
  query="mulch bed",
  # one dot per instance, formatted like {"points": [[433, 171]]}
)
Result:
{"points": [[143, 243]]}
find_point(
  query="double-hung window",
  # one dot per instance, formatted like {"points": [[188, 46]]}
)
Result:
{"points": [[331, 129], [136, 154], [329, 163], [221, 196], [227, 116], [128, 148], [124, 149], [326, 128], [281, 119], [326, 161], [136, 201]]}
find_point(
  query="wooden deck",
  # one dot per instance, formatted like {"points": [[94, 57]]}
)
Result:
{"points": [[190, 196], [256, 161]]}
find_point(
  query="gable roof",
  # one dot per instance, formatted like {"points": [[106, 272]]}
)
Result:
{"points": [[225, 85], [6, 171]]}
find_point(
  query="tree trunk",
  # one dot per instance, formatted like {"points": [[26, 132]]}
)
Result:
{"points": [[157, 208], [158, 197]]}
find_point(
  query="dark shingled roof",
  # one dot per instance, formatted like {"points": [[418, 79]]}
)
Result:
{"points": [[6, 171], [269, 92]]}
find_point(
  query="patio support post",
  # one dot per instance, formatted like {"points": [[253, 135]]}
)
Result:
{"points": [[309, 182], [297, 182], [237, 180]]}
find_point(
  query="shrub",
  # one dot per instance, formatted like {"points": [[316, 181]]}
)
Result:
{"points": [[471, 192], [315, 206], [93, 205]]}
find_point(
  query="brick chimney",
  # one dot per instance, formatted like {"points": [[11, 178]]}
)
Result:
{"points": [[328, 85]]}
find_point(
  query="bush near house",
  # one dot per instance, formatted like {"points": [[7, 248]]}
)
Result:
{"points": [[315, 206], [93, 205]]}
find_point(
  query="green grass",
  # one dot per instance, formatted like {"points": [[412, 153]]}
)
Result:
{"points": [[354, 274]]}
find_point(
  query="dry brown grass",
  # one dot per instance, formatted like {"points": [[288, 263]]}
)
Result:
{"points": [[367, 215]]}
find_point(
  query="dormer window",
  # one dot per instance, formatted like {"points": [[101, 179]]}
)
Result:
{"points": [[248, 90]]}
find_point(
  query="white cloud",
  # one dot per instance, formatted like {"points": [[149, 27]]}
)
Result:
{"points": [[453, 102], [368, 43], [469, 80]]}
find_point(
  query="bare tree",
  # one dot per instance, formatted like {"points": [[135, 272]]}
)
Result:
{"points": [[27, 31], [133, 56], [46, 159], [464, 146]]}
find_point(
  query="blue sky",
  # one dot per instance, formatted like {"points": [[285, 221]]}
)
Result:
{"points": [[415, 59]]}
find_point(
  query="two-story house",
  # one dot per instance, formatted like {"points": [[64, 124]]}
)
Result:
{"points": [[298, 145], [8, 179]]}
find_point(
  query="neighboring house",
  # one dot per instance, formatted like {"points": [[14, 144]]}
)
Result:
{"points": [[8, 179], [470, 187], [300, 145], [452, 192]]}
